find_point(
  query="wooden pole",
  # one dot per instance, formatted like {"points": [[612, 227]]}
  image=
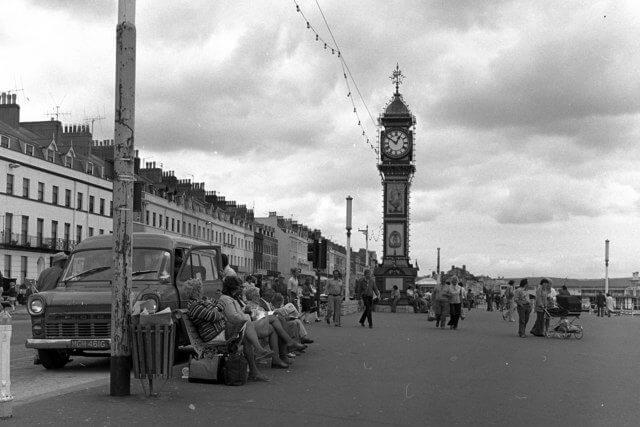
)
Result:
{"points": [[123, 198], [348, 273]]}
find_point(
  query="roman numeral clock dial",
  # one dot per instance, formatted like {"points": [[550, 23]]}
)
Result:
{"points": [[396, 144]]}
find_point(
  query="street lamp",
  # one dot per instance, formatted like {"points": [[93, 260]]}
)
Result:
{"points": [[348, 227]]}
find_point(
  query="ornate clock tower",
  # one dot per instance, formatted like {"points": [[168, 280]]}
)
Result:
{"points": [[396, 168]]}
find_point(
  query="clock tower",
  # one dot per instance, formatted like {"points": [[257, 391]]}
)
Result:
{"points": [[396, 166]]}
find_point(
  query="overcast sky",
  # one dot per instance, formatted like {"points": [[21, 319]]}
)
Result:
{"points": [[528, 114]]}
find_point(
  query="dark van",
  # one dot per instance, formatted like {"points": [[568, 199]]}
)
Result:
{"points": [[75, 317]]}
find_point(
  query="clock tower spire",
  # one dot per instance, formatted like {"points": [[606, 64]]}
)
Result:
{"points": [[397, 167]]}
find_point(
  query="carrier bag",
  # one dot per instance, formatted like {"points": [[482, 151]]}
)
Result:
{"points": [[235, 370], [207, 369]]}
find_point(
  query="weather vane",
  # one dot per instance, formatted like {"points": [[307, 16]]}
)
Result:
{"points": [[397, 77]]}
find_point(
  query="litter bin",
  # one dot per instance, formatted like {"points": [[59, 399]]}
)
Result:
{"points": [[152, 348]]}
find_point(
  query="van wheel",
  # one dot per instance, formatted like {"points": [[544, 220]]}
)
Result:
{"points": [[53, 359]]}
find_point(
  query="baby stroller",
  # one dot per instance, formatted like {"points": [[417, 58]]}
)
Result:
{"points": [[567, 312]]}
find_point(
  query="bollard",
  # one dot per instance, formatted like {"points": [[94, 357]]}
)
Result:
{"points": [[6, 399]]}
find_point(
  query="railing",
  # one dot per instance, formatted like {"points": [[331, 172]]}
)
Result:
{"points": [[8, 239]]}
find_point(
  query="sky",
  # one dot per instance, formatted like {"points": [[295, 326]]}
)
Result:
{"points": [[528, 114]]}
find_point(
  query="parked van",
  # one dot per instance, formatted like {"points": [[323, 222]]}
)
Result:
{"points": [[75, 317]]}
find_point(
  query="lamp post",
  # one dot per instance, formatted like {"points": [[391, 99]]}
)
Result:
{"points": [[365, 231], [438, 268], [348, 274], [606, 266]]}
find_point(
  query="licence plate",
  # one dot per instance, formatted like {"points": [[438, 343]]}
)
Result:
{"points": [[90, 344]]}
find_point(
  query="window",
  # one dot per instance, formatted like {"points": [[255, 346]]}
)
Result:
{"points": [[68, 161], [166, 222], [111, 208], [178, 227], [51, 155], [25, 187], [101, 206], [90, 168], [184, 227], [9, 183], [67, 234], [173, 224], [91, 203], [147, 220], [101, 231], [160, 221], [28, 149], [90, 231], [4, 141], [23, 267], [25, 230], [78, 233], [41, 191], [7, 266], [54, 195], [67, 198], [40, 228], [54, 234], [8, 227], [79, 202], [189, 234], [154, 219]]}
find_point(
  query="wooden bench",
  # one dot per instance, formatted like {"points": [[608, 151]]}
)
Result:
{"points": [[196, 346]]}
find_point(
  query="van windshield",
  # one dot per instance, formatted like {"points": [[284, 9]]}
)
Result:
{"points": [[95, 265]]}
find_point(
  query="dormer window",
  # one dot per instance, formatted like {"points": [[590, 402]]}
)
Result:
{"points": [[4, 141], [28, 149], [51, 155], [68, 161], [90, 168]]}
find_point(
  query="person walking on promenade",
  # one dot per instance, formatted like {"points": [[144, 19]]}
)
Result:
{"points": [[369, 291], [455, 304], [543, 300], [305, 299], [441, 297], [488, 294], [521, 299], [611, 305], [601, 302], [335, 292], [292, 288], [395, 296], [509, 305]]}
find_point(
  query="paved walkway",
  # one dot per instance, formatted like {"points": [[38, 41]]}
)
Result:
{"points": [[402, 372]]}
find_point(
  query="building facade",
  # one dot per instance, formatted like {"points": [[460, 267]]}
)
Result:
{"points": [[53, 191]]}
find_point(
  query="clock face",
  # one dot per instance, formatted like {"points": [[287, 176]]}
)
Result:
{"points": [[396, 144]]}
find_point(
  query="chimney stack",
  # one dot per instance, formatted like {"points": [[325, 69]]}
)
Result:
{"points": [[9, 110]]}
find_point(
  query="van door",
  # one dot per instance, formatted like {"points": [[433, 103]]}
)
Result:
{"points": [[201, 262]]}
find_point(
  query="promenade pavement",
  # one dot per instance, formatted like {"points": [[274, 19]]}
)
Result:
{"points": [[404, 371]]}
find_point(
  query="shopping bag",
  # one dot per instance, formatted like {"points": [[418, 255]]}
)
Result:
{"points": [[207, 369]]}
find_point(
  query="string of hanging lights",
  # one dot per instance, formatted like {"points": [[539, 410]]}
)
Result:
{"points": [[332, 45]]}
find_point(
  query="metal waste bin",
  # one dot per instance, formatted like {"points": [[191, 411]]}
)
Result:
{"points": [[152, 351]]}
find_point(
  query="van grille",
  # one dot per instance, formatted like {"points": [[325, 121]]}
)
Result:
{"points": [[69, 327]]}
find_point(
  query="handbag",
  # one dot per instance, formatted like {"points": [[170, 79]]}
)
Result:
{"points": [[207, 369], [235, 370], [431, 316]]}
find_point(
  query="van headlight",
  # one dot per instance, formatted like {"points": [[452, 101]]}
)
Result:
{"points": [[36, 307]]}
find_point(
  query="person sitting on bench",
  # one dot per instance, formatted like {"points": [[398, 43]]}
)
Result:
{"points": [[209, 319]]}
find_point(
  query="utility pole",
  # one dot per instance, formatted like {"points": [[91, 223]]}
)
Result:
{"points": [[606, 267], [123, 199], [366, 244], [348, 275]]}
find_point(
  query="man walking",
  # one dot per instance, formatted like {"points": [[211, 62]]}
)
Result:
{"points": [[48, 278], [369, 291], [601, 302], [442, 297], [335, 291], [509, 295]]}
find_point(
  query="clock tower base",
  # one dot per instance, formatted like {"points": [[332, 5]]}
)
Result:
{"points": [[389, 274]]}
